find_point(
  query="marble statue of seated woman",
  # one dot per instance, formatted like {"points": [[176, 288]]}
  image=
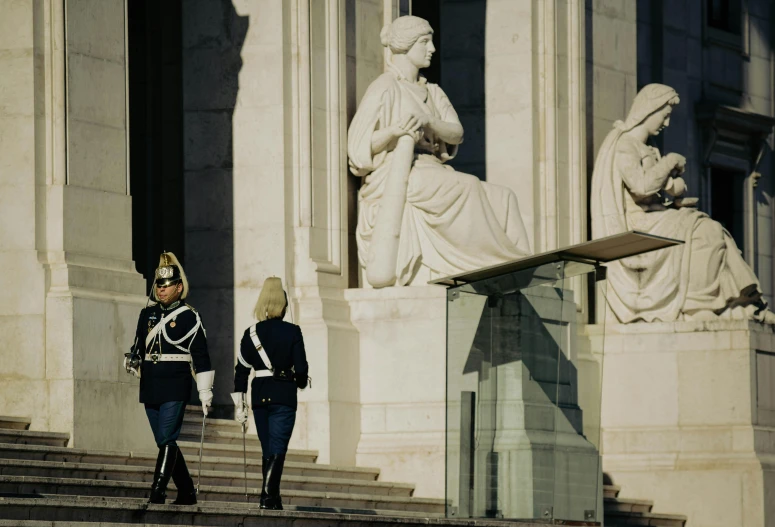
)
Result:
{"points": [[635, 188], [419, 218]]}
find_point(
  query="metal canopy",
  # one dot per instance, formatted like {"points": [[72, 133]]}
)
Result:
{"points": [[595, 252]]}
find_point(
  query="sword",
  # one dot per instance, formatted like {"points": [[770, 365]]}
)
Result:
{"points": [[245, 460], [201, 449]]}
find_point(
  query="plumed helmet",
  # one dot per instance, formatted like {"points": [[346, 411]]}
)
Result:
{"points": [[170, 272]]}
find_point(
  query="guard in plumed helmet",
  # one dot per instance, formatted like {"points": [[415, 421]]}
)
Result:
{"points": [[170, 350]]}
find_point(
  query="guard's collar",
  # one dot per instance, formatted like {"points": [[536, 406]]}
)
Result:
{"points": [[170, 307]]}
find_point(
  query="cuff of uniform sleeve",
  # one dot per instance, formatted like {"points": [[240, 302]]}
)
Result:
{"points": [[204, 380]]}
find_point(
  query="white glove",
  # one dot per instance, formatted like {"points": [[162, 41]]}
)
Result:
{"points": [[204, 385], [240, 407]]}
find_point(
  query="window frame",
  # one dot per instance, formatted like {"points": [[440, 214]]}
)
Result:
{"points": [[737, 42]]}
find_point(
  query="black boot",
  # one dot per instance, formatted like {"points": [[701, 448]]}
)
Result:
{"points": [[168, 455], [184, 483], [156, 471], [264, 495], [274, 471]]}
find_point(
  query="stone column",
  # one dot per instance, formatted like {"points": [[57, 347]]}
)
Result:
{"points": [[611, 74], [73, 295], [535, 117], [266, 178], [24, 390], [318, 177]]}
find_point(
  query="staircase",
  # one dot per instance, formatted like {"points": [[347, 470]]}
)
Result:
{"points": [[45, 484]]}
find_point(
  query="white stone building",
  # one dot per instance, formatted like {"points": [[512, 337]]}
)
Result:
{"points": [[217, 129]]}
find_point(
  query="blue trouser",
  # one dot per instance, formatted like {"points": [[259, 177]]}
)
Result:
{"points": [[274, 424], [166, 421]]}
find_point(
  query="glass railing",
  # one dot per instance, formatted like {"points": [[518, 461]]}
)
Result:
{"points": [[517, 444]]}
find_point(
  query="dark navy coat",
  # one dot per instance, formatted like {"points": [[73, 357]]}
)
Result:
{"points": [[284, 346], [170, 381]]}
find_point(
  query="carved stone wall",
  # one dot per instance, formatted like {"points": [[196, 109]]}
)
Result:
{"points": [[70, 295]]}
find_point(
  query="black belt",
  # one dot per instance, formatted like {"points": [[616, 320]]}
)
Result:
{"points": [[285, 375]]}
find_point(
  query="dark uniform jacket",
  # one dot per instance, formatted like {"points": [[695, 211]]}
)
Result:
{"points": [[284, 345], [162, 382]]}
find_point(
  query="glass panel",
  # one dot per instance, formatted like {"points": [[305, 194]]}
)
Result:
{"points": [[578, 479], [516, 444]]}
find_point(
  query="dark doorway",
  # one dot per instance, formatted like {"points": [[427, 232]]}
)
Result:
{"points": [[155, 130], [429, 10], [727, 201]]}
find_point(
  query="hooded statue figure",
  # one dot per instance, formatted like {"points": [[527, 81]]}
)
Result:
{"points": [[635, 188]]}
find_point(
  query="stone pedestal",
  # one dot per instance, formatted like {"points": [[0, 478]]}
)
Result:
{"points": [[688, 417], [402, 355], [539, 457]]}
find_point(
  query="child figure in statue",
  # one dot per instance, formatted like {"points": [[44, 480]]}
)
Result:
{"points": [[635, 188], [441, 221]]}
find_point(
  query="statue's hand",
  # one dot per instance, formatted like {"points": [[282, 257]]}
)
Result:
{"points": [[678, 161], [676, 186], [414, 121]]}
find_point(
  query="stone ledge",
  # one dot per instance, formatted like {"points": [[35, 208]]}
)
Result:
{"points": [[34, 437], [15, 423], [236, 450], [641, 328], [57, 511], [103, 471], [147, 459], [34, 486]]}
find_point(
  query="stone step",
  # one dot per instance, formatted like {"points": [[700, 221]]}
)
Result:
{"points": [[626, 505], [14, 423], [97, 471], [223, 425], [72, 511], [148, 459], [611, 491], [639, 519], [192, 432], [204, 507], [190, 448], [31, 486], [27, 437]]}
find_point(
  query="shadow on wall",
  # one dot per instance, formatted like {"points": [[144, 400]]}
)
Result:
{"points": [[155, 131], [213, 34]]}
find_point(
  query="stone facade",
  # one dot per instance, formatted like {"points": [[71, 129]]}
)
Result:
{"points": [[70, 292], [269, 87]]}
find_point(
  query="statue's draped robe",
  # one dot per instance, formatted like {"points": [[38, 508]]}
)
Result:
{"points": [[703, 274], [452, 222]]}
